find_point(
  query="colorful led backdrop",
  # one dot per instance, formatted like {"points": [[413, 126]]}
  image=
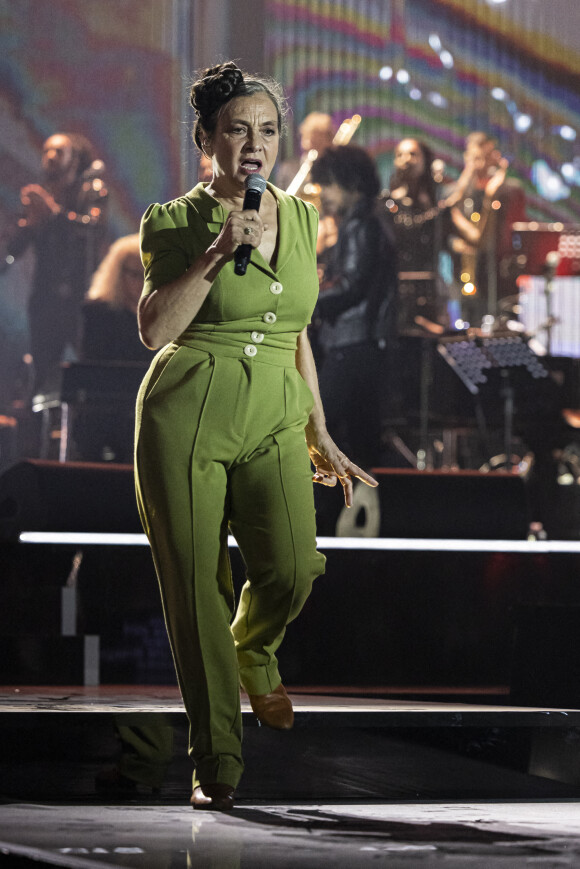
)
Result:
{"points": [[111, 70], [116, 70], [438, 69]]}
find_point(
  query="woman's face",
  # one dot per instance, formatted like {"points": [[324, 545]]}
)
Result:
{"points": [[57, 156], [409, 158], [245, 140]]}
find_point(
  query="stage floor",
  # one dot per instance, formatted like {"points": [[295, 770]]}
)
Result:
{"points": [[294, 836], [361, 780], [323, 707], [55, 740]]}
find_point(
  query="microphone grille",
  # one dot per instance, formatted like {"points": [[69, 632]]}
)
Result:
{"points": [[256, 182]]}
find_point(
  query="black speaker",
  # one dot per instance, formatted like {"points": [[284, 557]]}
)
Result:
{"points": [[40, 495], [429, 504]]}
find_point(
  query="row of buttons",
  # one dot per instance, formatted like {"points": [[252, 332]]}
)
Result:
{"points": [[269, 317], [257, 337]]}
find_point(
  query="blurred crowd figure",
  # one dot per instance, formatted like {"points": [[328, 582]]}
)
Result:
{"points": [[485, 202], [63, 220], [355, 318], [409, 250], [468, 222], [103, 430], [441, 261], [422, 229], [109, 314], [316, 132]]}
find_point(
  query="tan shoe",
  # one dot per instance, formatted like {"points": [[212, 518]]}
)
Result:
{"points": [[215, 797], [274, 709]]}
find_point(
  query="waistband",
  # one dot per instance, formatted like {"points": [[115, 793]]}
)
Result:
{"points": [[239, 346]]}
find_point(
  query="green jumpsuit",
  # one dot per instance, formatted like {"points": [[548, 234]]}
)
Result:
{"points": [[220, 444]]}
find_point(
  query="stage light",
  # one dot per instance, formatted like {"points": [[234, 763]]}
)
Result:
{"points": [[522, 122], [468, 289], [446, 59], [435, 42], [499, 94], [567, 133], [385, 73], [548, 183], [571, 172], [437, 100], [475, 217], [345, 543], [415, 94], [465, 276], [438, 170], [403, 76]]}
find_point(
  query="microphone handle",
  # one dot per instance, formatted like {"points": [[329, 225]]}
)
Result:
{"points": [[242, 255]]}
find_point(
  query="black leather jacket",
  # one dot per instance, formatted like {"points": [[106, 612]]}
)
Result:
{"points": [[358, 305]]}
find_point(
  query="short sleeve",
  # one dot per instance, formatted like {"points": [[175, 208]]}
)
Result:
{"points": [[312, 217], [163, 253]]}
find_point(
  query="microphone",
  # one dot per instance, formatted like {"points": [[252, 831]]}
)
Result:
{"points": [[255, 186]]}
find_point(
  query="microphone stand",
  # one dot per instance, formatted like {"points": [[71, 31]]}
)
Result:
{"points": [[550, 266], [507, 393]]}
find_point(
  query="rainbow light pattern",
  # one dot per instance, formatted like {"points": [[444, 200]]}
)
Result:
{"points": [[329, 55], [99, 69]]}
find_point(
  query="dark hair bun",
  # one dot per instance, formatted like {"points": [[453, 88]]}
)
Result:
{"points": [[214, 88]]}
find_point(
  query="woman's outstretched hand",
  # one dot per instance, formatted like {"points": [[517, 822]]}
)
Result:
{"points": [[331, 465]]}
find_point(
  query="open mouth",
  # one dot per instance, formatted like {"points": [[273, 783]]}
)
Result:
{"points": [[252, 165]]}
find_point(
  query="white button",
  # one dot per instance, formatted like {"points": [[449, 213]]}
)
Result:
{"points": [[276, 288], [269, 317], [257, 337], [250, 350]]}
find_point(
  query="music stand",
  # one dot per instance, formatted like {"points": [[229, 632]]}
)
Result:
{"points": [[473, 357]]}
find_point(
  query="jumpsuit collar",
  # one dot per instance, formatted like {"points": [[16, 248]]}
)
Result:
{"points": [[214, 214]]}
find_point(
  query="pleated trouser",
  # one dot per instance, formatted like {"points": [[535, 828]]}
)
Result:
{"points": [[220, 442]]}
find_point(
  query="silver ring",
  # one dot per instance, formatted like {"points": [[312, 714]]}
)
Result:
{"points": [[248, 230]]}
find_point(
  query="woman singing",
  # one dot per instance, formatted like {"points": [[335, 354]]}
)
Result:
{"points": [[227, 418]]}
